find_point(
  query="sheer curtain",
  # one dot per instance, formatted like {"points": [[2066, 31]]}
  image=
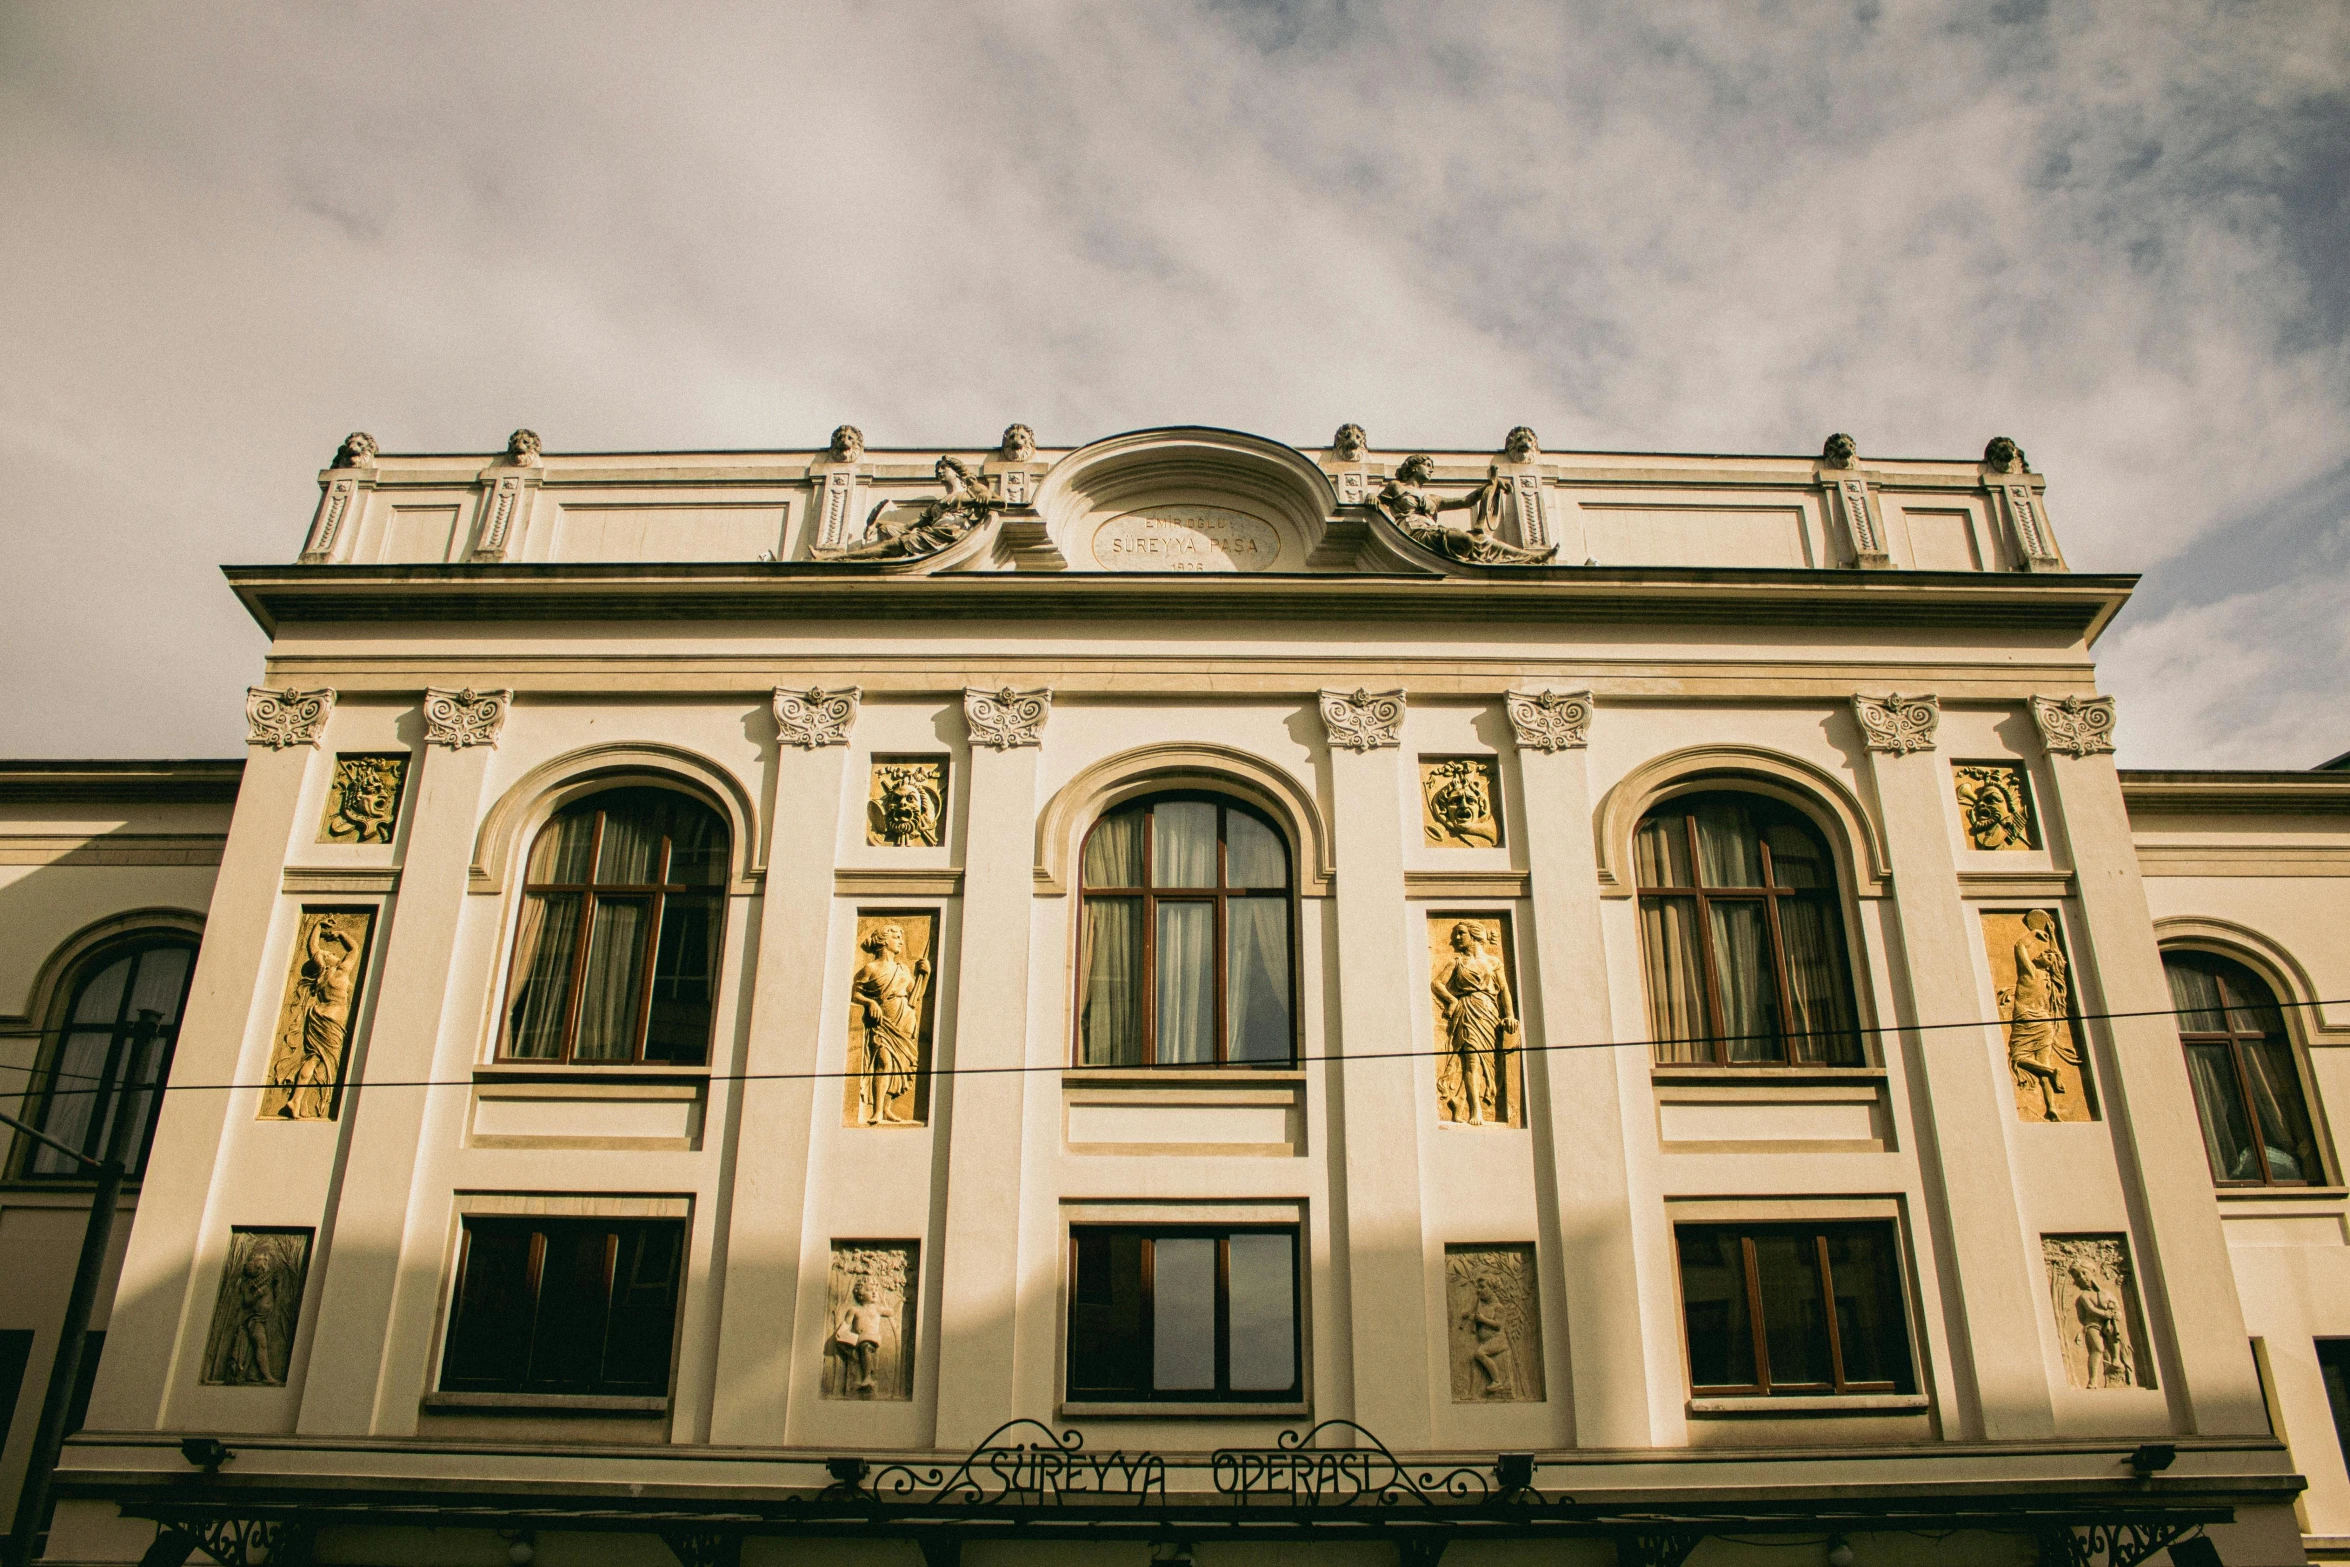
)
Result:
{"points": [[614, 981], [1256, 969], [1742, 963], [1187, 981], [542, 955], [1814, 941], [1676, 978], [1110, 1021]]}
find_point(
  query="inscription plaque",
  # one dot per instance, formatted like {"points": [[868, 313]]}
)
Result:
{"points": [[1186, 538]]}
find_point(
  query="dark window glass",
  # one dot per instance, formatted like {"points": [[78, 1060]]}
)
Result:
{"points": [[2333, 1360], [616, 957], [2256, 1127], [565, 1306], [1742, 936], [85, 1379], [16, 1350], [112, 1050], [1186, 955], [1182, 1314], [1756, 1303]]}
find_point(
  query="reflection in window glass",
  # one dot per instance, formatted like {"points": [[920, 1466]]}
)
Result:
{"points": [[1183, 1313], [1755, 1311], [2256, 1126], [120, 1025]]}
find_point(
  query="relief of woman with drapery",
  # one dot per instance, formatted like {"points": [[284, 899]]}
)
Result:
{"points": [[1474, 1014], [887, 992]]}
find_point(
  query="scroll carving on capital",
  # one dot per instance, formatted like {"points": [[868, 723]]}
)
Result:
{"points": [[2095, 1299], [1006, 719], [1363, 720], [251, 1343], [306, 1059], [893, 534], [889, 1019], [458, 719], [2031, 979], [905, 804], [1550, 721], [869, 1321], [1496, 508], [279, 719], [1493, 1304], [816, 717], [363, 802], [2074, 725], [1460, 802], [1995, 803], [1898, 724]]}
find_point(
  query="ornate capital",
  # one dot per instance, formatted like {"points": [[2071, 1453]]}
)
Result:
{"points": [[2074, 725], [1899, 724], [288, 717], [458, 719], [816, 717], [1363, 720], [1007, 718], [1549, 721]]}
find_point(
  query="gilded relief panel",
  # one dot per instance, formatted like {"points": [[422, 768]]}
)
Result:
{"points": [[314, 1025], [1995, 803], [2046, 1050], [1460, 801], [2095, 1299], [869, 1321], [1479, 1079], [363, 802], [1495, 1316], [252, 1339], [890, 1019], [905, 803]]}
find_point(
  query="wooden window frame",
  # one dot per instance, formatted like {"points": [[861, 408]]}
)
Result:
{"points": [[1770, 896], [1221, 1392], [1149, 896], [1817, 1230], [655, 895], [109, 1088], [539, 1227], [2235, 1040]]}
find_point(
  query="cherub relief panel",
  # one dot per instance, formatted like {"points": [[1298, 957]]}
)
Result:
{"points": [[2096, 1304], [2046, 1049], [363, 802], [307, 1057], [1995, 803], [905, 804], [1495, 1322], [869, 1322], [1478, 1076], [1460, 801], [889, 1019], [252, 1339]]}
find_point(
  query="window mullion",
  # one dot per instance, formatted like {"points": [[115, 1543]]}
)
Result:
{"points": [[1828, 1309], [1715, 1023], [1149, 1348], [1782, 999], [1754, 1314], [646, 956], [1220, 1322]]}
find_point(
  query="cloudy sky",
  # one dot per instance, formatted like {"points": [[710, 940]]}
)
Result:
{"points": [[2120, 233]]}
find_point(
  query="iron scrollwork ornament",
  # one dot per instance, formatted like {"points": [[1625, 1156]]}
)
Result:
{"points": [[1297, 1472], [1048, 1469]]}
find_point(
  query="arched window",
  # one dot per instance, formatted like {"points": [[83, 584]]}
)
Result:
{"points": [[616, 958], [113, 1046], [2247, 1085], [1742, 935], [1186, 940]]}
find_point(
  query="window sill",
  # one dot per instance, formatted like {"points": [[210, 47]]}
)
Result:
{"points": [[586, 1072], [1175, 1410], [1179, 1077], [1824, 1404], [2281, 1193], [1680, 1072], [542, 1404]]}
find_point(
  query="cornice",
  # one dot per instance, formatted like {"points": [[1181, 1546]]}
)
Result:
{"points": [[2071, 604], [2236, 793], [130, 782]]}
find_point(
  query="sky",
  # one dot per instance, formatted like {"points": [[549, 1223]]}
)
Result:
{"points": [[2119, 233]]}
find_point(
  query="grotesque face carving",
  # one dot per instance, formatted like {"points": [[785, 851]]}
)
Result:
{"points": [[848, 443], [1349, 443], [1839, 451], [2003, 455], [1521, 446], [357, 451], [1019, 443], [907, 807], [1460, 804], [522, 448]]}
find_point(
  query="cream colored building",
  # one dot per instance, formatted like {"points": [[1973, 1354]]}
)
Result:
{"points": [[1620, 998]]}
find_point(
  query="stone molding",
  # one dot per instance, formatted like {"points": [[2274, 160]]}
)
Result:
{"points": [[816, 717], [1854, 836], [1363, 720], [2074, 725], [278, 719], [1897, 724], [458, 719], [1006, 719], [1178, 764], [1550, 721], [1861, 527], [559, 780]]}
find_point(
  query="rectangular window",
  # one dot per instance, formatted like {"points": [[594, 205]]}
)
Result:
{"points": [[1175, 1314], [578, 1306], [1804, 1309], [2333, 1360]]}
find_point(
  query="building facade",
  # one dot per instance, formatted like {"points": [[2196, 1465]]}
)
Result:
{"points": [[1187, 996]]}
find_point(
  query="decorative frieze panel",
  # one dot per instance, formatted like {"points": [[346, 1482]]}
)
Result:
{"points": [[461, 718], [507, 501], [815, 718], [1898, 724], [1460, 802], [2095, 1297], [1995, 803], [1005, 718], [1493, 1303], [1550, 721], [1479, 1076], [312, 1044], [869, 1321], [1363, 720], [251, 1343], [2074, 725], [905, 803], [278, 719], [363, 801], [838, 472], [2047, 1053], [889, 1019]]}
